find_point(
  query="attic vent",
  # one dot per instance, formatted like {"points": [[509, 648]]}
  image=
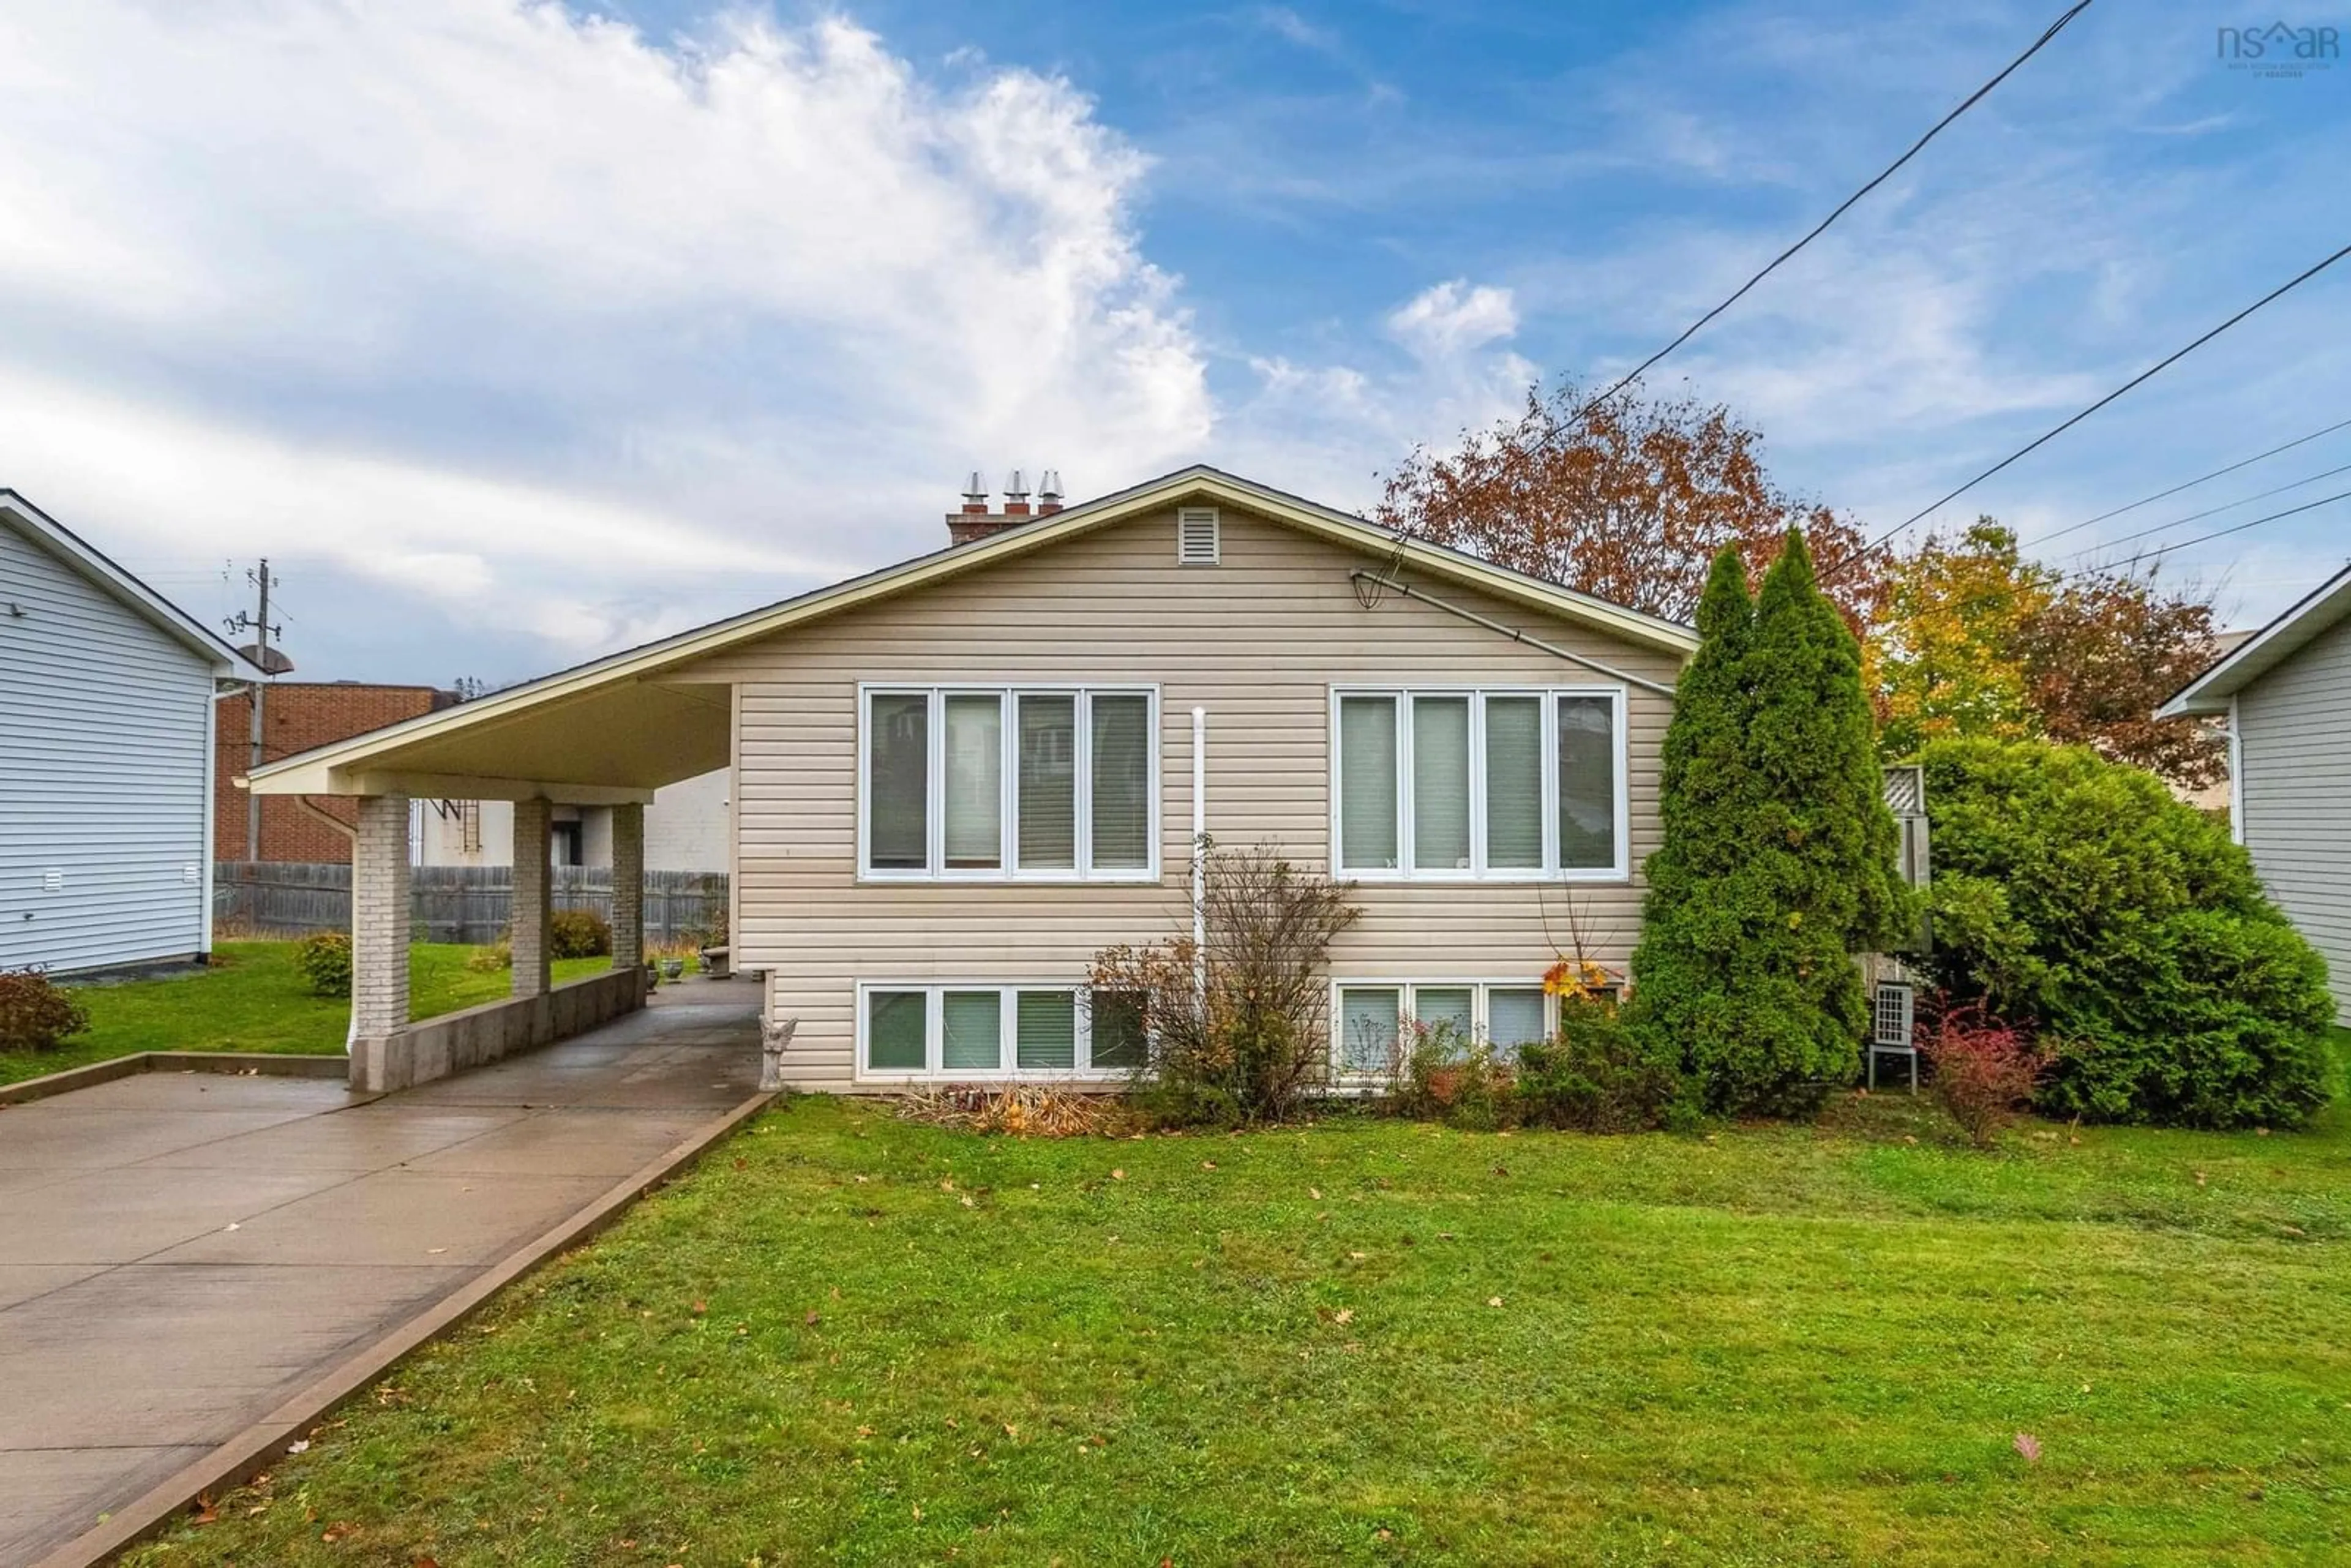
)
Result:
{"points": [[1196, 541]]}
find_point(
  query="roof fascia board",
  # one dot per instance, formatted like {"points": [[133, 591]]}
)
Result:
{"points": [[93, 564], [317, 779], [2207, 695]]}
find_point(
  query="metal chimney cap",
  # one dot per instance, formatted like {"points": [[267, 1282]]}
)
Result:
{"points": [[1049, 485], [975, 488], [1015, 487]]}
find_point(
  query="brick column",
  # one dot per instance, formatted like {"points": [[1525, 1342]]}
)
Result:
{"points": [[534, 890], [380, 926], [628, 886]]}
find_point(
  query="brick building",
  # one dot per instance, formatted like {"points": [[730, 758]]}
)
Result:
{"points": [[295, 717]]}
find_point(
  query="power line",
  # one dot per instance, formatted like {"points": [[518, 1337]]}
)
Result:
{"points": [[2219, 533], [2054, 580], [2051, 434], [2191, 484], [1821, 227], [2207, 512]]}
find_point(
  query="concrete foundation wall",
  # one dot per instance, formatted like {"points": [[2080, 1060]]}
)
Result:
{"points": [[479, 1036]]}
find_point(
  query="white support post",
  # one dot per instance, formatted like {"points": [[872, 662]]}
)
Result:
{"points": [[533, 902], [628, 886]]}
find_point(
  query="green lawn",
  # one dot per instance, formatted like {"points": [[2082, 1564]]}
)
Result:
{"points": [[847, 1339], [252, 998]]}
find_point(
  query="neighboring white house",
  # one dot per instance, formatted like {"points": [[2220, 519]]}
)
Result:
{"points": [[2284, 693], [105, 764], [689, 826]]}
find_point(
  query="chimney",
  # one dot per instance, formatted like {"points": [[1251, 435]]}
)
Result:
{"points": [[976, 522]]}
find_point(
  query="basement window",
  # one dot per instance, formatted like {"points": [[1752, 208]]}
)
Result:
{"points": [[962, 1033], [1375, 1019]]}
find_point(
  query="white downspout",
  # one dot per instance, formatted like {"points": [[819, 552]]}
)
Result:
{"points": [[1200, 853], [2236, 776]]}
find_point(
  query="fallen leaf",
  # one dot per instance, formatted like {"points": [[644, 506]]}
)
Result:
{"points": [[1493, 1300], [700, 1308], [299, 1446], [1343, 1315], [1118, 1175], [1315, 1193], [967, 1202], [812, 1320], [2200, 1178], [1207, 1164], [1359, 1256]]}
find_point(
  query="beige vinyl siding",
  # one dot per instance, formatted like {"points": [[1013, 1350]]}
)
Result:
{"points": [[2294, 748], [1259, 640]]}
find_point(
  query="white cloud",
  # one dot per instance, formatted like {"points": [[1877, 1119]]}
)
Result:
{"points": [[1449, 319], [497, 282]]}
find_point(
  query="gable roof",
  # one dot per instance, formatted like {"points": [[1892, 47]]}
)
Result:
{"points": [[120, 585], [2265, 650], [332, 768]]}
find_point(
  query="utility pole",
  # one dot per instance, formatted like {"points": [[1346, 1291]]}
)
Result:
{"points": [[258, 653]]}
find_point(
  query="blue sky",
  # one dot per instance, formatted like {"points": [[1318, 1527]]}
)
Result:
{"points": [[514, 333]]}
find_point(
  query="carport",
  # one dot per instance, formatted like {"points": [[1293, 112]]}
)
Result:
{"points": [[606, 734]]}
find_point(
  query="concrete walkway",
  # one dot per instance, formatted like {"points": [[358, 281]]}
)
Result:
{"points": [[180, 1252]]}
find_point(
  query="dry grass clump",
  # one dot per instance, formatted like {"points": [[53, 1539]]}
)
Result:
{"points": [[1024, 1111]]}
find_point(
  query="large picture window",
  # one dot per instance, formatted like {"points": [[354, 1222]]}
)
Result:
{"points": [[1502, 784], [963, 1032], [992, 783]]}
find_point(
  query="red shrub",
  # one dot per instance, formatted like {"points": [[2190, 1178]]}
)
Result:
{"points": [[1985, 1069], [34, 1014]]}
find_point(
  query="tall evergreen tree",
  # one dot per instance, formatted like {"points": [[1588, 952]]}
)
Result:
{"points": [[1685, 999], [1779, 856]]}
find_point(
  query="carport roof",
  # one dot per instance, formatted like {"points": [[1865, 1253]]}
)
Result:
{"points": [[617, 727]]}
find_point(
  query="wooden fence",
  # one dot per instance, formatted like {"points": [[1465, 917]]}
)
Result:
{"points": [[466, 903]]}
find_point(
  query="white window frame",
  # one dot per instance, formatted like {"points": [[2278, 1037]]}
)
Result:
{"points": [[1008, 694], [1478, 870], [1008, 992], [1481, 1013]]}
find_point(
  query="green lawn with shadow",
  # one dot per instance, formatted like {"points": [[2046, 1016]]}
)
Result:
{"points": [[849, 1339]]}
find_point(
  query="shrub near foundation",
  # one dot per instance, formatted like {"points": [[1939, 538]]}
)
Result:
{"points": [[2081, 896], [35, 1014]]}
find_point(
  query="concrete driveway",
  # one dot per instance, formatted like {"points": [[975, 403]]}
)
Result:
{"points": [[181, 1252]]}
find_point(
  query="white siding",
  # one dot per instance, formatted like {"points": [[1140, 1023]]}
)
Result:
{"points": [[689, 824], [688, 828], [2294, 744], [105, 775], [1259, 640]]}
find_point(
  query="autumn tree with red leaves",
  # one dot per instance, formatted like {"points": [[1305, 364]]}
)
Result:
{"points": [[1629, 499]]}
